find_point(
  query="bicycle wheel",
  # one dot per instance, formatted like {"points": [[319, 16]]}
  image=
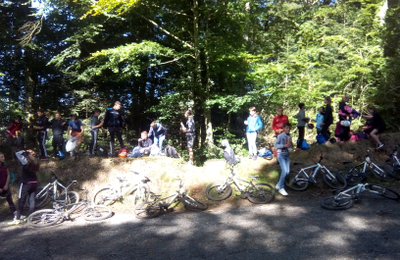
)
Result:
{"points": [[40, 197], [44, 218], [260, 193], [148, 210], [297, 181], [334, 180], [382, 174], [355, 175], [72, 197], [141, 194], [96, 213], [385, 191], [218, 190], [105, 196], [192, 204], [337, 202]]}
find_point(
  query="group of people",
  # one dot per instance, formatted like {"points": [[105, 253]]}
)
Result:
{"points": [[324, 119]]}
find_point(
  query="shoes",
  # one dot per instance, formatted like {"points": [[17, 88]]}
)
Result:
{"points": [[283, 192], [190, 163], [255, 157], [250, 156], [21, 217], [44, 158], [277, 187], [379, 146], [110, 155]]}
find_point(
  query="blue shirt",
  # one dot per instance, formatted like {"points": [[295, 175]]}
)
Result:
{"points": [[75, 126], [319, 119], [254, 124]]}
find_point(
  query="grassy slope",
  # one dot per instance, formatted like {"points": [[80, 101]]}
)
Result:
{"points": [[94, 173]]}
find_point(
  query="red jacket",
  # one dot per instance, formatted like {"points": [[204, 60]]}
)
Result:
{"points": [[278, 122], [11, 129]]}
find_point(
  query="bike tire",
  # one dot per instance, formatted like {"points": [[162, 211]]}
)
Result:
{"points": [[193, 204], [44, 218], [141, 196], [355, 176], [148, 210], [40, 199], [218, 190], [261, 193], [72, 197], [337, 203], [384, 175], [105, 196], [385, 191], [96, 213], [338, 182], [297, 181]]}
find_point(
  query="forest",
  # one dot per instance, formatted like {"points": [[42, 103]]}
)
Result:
{"points": [[216, 57]]}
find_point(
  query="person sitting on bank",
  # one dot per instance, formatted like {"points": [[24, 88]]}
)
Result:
{"points": [[144, 146]]}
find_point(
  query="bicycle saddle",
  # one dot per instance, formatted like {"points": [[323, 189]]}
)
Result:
{"points": [[255, 177]]}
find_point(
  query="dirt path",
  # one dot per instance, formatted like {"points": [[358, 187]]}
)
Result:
{"points": [[289, 228]]}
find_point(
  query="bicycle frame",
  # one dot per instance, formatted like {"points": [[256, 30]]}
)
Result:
{"points": [[368, 163], [359, 189], [55, 184], [232, 178]]}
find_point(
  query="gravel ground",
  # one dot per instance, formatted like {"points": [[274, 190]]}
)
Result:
{"points": [[295, 227]]}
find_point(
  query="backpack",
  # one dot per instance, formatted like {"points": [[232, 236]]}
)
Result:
{"points": [[170, 151], [320, 139], [305, 145], [266, 154]]}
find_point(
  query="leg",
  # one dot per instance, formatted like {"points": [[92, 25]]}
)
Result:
{"points": [[301, 136], [22, 194], [31, 197], [119, 136], [42, 141], [283, 162], [161, 140], [157, 141], [190, 144], [54, 143], [112, 138], [91, 147], [375, 135], [10, 202]]}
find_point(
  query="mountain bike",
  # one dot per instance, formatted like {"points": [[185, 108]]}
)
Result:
{"points": [[394, 163], [300, 181], [61, 212], [358, 173], [151, 209], [56, 191], [345, 199], [109, 195], [257, 193]]}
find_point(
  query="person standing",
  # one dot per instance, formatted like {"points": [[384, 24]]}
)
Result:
{"points": [[301, 123], [159, 133], [319, 119], [95, 125], [378, 125], [58, 127], [114, 122], [75, 129], [283, 145], [5, 184], [41, 125], [190, 130], [28, 185], [328, 119], [253, 124], [279, 121]]}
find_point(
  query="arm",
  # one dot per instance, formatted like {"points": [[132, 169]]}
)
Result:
{"points": [[278, 141], [151, 131], [7, 181], [21, 157], [259, 123], [274, 125], [82, 130]]}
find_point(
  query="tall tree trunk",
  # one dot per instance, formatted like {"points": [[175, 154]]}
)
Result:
{"points": [[29, 86]]}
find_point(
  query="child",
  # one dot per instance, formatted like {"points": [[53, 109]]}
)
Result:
{"points": [[28, 185], [114, 122], [253, 124], [301, 122], [328, 118], [4, 184], [319, 119], [278, 121], [159, 132], [58, 127], [14, 132], [229, 153], [283, 145], [378, 125], [75, 129], [144, 146], [190, 130], [95, 125]]}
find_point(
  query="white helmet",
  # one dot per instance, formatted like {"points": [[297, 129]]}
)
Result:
{"points": [[345, 123]]}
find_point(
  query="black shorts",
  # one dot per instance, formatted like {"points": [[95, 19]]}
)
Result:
{"points": [[380, 128], [190, 140]]}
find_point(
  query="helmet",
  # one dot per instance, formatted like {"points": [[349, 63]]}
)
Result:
{"points": [[310, 126], [345, 123], [123, 153]]}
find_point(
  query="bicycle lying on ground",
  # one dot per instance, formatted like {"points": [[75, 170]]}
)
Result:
{"points": [[345, 199], [56, 191], [257, 193], [394, 163], [301, 180], [61, 212], [154, 208], [358, 173], [109, 195]]}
